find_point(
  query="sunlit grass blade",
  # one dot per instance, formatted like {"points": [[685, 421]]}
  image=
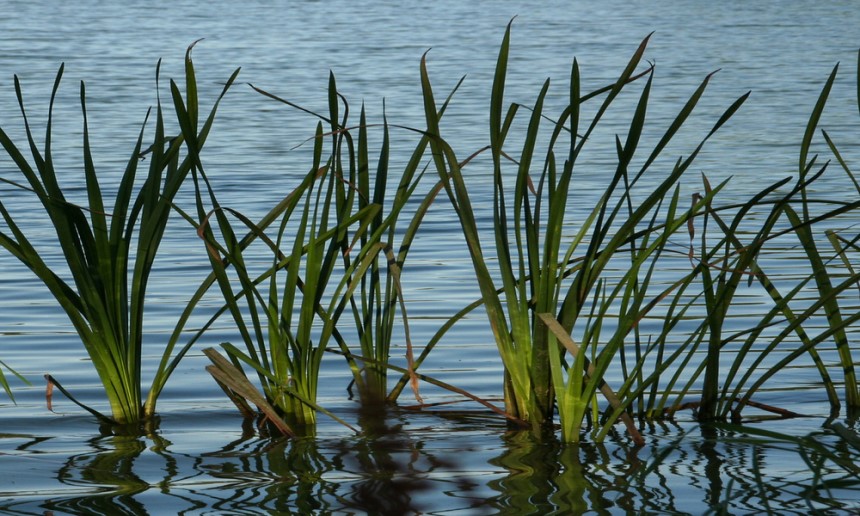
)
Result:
{"points": [[841, 160], [831, 306], [105, 290], [814, 119]]}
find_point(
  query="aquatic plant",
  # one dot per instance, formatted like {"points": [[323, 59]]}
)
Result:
{"points": [[694, 360], [374, 257], [375, 302], [288, 327], [567, 281], [109, 250], [358, 274], [792, 323], [541, 268], [284, 334]]}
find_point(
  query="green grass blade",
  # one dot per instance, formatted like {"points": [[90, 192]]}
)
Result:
{"points": [[814, 118]]}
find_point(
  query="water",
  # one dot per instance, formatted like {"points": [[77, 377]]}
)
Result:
{"points": [[202, 460]]}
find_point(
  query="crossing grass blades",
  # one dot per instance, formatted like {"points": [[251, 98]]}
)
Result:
{"points": [[619, 306], [109, 250]]}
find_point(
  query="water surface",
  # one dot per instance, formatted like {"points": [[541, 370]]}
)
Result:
{"points": [[201, 459]]}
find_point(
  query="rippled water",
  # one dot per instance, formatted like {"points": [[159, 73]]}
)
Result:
{"points": [[202, 460]]}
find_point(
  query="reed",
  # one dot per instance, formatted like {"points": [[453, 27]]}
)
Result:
{"points": [[830, 282], [377, 254], [332, 229], [546, 277], [357, 275], [576, 275], [374, 305], [739, 363], [549, 293], [284, 332], [109, 250]]}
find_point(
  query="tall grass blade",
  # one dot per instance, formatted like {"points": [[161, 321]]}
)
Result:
{"points": [[104, 299]]}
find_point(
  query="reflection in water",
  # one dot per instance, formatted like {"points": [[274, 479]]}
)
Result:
{"points": [[384, 471], [549, 476], [752, 470], [110, 477], [111, 466], [117, 474], [276, 475], [397, 467], [392, 468]]}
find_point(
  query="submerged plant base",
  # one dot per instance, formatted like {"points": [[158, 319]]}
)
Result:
{"points": [[146, 427]]}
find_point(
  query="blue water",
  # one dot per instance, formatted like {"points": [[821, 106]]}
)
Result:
{"points": [[782, 51]]}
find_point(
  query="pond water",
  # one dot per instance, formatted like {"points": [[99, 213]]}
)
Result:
{"points": [[461, 460]]}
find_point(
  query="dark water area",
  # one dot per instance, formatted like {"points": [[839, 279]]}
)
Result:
{"points": [[458, 458]]}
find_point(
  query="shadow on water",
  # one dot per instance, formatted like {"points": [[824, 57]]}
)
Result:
{"points": [[406, 463]]}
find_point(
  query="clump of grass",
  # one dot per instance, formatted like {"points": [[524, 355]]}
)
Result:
{"points": [[565, 305], [374, 256], [345, 260], [109, 250], [554, 286], [285, 332], [287, 327], [375, 302], [792, 324], [547, 280]]}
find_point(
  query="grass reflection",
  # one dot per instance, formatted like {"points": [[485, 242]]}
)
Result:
{"points": [[112, 476], [751, 469], [385, 471], [389, 465], [405, 463], [549, 476]]}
